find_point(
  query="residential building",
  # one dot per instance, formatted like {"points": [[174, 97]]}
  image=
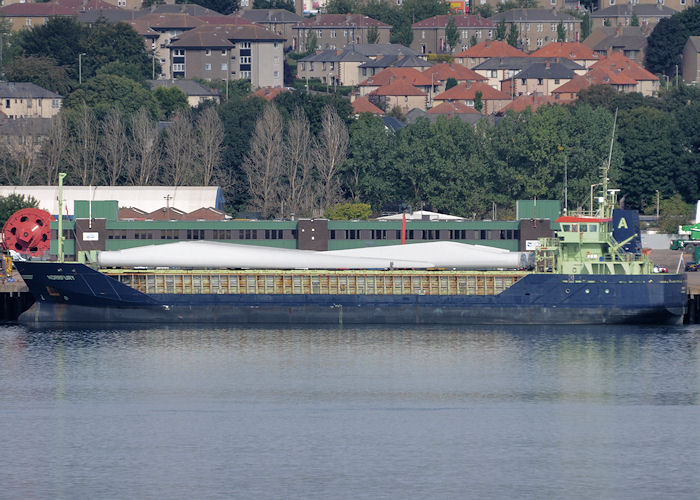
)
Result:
{"points": [[539, 78], [492, 99], [501, 69], [648, 14], [631, 41], [28, 15], [279, 21], [538, 27], [541, 4], [615, 62], [429, 36], [27, 100], [168, 26], [196, 92], [691, 60], [335, 31], [574, 51], [411, 75], [488, 49], [440, 73], [399, 93], [229, 53], [452, 109], [676, 5], [532, 102], [380, 63], [595, 76], [361, 105], [348, 66]]}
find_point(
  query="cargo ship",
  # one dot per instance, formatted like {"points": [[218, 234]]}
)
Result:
{"points": [[581, 276]]}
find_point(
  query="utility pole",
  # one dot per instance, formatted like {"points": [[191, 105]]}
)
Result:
{"points": [[59, 240]]}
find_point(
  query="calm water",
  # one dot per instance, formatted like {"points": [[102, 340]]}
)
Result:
{"points": [[369, 413]]}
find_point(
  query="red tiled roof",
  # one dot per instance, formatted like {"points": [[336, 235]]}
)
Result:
{"points": [[398, 87], [206, 213], [566, 50], [388, 75], [131, 213], [176, 20], [269, 93], [461, 21], [467, 92], [452, 108], [442, 71], [532, 101], [492, 48], [618, 63], [235, 20], [168, 213], [362, 105]]}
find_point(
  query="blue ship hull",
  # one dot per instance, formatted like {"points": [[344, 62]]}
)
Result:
{"points": [[76, 293]]}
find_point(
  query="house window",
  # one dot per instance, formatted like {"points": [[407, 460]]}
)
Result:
{"points": [[319, 33], [276, 74], [223, 52], [556, 81], [311, 66], [121, 3], [276, 59], [527, 27], [477, 34], [303, 66], [523, 81], [332, 66], [29, 21], [539, 42], [207, 67], [539, 81], [245, 59], [493, 73], [55, 103], [224, 66], [540, 28], [7, 103], [554, 27], [333, 33], [245, 74], [178, 67], [323, 66], [422, 34], [465, 34], [207, 52], [245, 45], [490, 33], [179, 52]]}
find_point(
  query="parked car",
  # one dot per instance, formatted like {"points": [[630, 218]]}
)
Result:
{"points": [[691, 267], [659, 269]]}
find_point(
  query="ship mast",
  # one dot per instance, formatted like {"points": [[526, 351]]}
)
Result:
{"points": [[605, 210]]}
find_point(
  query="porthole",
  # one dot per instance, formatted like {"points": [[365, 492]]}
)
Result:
{"points": [[567, 290], [607, 290], [587, 290]]}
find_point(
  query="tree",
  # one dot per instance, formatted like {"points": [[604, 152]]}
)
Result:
{"points": [[373, 34], [341, 7], [225, 7], [329, 154], [180, 150], [12, 203], [81, 154], [61, 37], [478, 102], [297, 166], [113, 146], [210, 135], [263, 163], [585, 25], [39, 70], [274, 4], [53, 148], [561, 33], [513, 36], [20, 151], [105, 92], [635, 20], [666, 42], [349, 211], [501, 30], [674, 212], [451, 34], [451, 82], [145, 154], [170, 100]]}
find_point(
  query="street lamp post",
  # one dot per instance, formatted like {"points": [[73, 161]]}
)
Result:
{"points": [[657, 205], [80, 67]]}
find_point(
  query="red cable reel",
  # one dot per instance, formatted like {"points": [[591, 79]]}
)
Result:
{"points": [[28, 231]]}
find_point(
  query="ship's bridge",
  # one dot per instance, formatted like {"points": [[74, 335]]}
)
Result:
{"points": [[575, 229]]}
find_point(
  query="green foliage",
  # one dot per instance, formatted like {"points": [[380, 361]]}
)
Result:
{"points": [[373, 34], [513, 37], [517, 4], [483, 10], [170, 100], [666, 42], [501, 30], [585, 26], [11, 203], [440, 58], [451, 82], [274, 4], [478, 102], [42, 71], [451, 34], [60, 37], [125, 69], [674, 212], [341, 7], [397, 113], [635, 20], [561, 34], [349, 211], [473, 41], [312, 105], [104, 92]]}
